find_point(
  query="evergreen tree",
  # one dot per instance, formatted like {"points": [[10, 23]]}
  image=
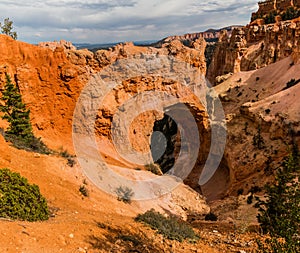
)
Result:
{"points": [[7, 28], [15, 112], [279, 214], [258, 140]]}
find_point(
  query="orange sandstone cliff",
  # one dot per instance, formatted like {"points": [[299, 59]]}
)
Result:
{"points": [[52, 75]]}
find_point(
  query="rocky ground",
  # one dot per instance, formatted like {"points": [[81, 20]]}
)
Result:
{"points": [[101, 223]]}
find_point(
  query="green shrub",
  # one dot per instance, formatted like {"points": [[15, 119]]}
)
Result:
{"points": [[240, 191], [20, 200], [268, 111], [291, 83], [70, 158], [71, 161], [250, 199], [270, 18], [170, 227], [255, 189], [84, 191], [154, 168], [124, 194], [290, 13]]}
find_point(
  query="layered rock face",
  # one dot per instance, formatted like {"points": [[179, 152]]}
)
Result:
{"points": [[52, 75], [266, 7], [227, 55], [262, 122], [210, 35], [49, 83], [252, 69], [254, 47]]}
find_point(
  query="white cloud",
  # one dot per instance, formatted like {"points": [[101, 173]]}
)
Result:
{"points": [[99, 21]]}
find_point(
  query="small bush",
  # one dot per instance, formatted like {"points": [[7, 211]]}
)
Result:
{"points": [[70, 158], [154, 168], [250, 199], [211, 217], [290, 13], [255, 189], [71, 161], [84, 191], [124, 194], [291, 83], [169, 227], [19, 200], [240, 191]]}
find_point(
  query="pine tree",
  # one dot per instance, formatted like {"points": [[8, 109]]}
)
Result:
{"points": [[7, 28], [17, 115], [279, 214], [15, 111]]}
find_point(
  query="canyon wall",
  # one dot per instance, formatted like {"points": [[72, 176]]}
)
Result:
{"points": [[266, 7], [255, 46], [52, 75], [210, 35], [259, 104]]}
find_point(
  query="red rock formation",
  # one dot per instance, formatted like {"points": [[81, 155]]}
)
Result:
{"points": [[53, 45], [228, 54], [282, 5], [210, 34], [268, 6], [49, 83], [254, 47], [51, 80], [265, 7], [256, 99], [51, 76]]}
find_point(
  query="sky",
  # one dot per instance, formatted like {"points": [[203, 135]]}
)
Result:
{"points": [[103, 21]]}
